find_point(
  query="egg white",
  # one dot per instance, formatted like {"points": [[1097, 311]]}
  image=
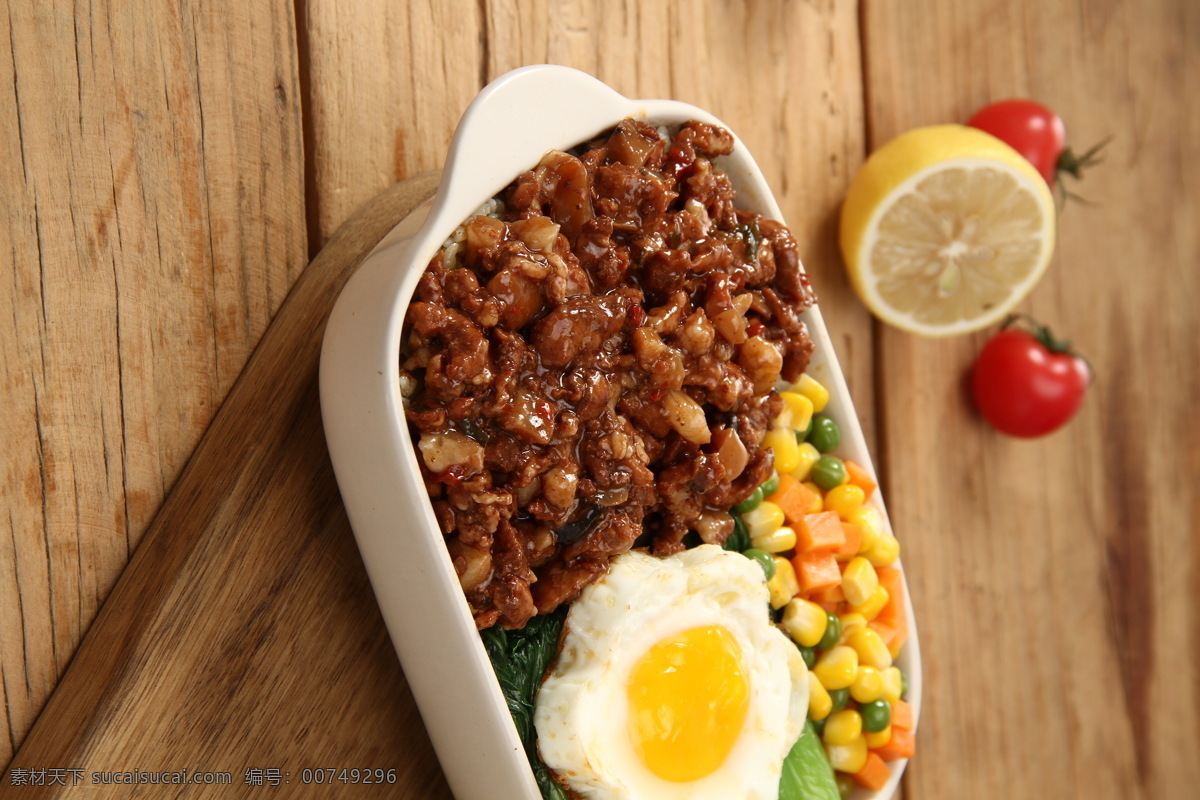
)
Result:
{"points": [[582, 709]]}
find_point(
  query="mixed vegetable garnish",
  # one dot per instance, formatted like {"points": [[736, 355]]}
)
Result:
{"points": [[834, 588], [829, 560]]}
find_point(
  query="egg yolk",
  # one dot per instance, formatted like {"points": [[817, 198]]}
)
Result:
{"points": [[688, 697]]}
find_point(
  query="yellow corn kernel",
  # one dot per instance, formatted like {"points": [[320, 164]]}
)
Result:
{"points": [[783, 585], [870, 520], [884, 551], [869, 647], [859, 580], [878, 739], [815, 392], [867, 522], [818, 505], [893, 685], [851, 623], [782, 442], [849, 758], [837, 667], [819, 702], [805, 621], [765, 519], [843, 727], [808, 455], [797, 410], [845, 499], [778, 541], [868, 686], [875, 603]]}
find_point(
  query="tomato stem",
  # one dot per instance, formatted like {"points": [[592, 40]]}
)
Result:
{"points": [[1047, 339], [1074, 165], [1040, 332], [1070, 164]]}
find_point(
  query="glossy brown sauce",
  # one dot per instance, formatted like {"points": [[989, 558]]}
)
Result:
{"points": [[597, 367]]}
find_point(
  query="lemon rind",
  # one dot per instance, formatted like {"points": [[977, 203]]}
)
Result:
{"points": [[866, 280]]}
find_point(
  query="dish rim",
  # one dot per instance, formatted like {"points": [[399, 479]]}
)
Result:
{"points": [[373, 456]]}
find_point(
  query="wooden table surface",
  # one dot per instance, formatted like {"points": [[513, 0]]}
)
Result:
{"points": [[167, 173]]}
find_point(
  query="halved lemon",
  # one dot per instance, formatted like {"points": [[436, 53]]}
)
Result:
{"points": [[945, 229]]}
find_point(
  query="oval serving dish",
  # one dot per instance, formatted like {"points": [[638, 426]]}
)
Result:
{"points": [[508, 128]]}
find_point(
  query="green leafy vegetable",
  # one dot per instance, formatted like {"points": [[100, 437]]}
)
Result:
{"points": [[520, 659], [807, 774], [739, 540]]}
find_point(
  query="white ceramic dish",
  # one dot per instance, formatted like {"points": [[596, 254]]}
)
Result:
{"points": [[505, 131]]}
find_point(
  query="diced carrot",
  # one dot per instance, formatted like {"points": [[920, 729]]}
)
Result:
{"points": [[830, 594], [892, 623], [892, 579], [794, 498], [874, 773], [893, 629], [854, 535], [859, 476], [902, 715], [785, 482], [816, 569], [892, 616], [901, 745], [820, 533], [886, 630]]}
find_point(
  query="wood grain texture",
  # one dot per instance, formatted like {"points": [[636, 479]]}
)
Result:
{"points": [[156, 213], [151, 177], [1051, 578], [244, 633], [385, 84]]}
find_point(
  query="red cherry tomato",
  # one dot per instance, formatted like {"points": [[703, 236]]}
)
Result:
{"points": [[1030, 128], [1028, 384]]}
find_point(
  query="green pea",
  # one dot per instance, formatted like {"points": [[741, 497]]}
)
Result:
{"points": [[809, 655], [845, 785], [819, 727], [764, 560], [770, 485], [903, 685], [829, 472], [839, 697], [833, 632], [825, 435], [876, 715], [750, 503]]}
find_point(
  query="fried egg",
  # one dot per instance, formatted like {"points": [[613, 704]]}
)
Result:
{"points": [[673, 683]]}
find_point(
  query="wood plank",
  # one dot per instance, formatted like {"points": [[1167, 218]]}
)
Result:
{"points": [[151, 164], [244, 633], [1060, 639], [385, 85]]}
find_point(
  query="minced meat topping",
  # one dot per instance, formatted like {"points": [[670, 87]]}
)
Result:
{"points": [[597, 362]]}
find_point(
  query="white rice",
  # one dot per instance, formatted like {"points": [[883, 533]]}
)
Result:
{"points": [[493, 207]]}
